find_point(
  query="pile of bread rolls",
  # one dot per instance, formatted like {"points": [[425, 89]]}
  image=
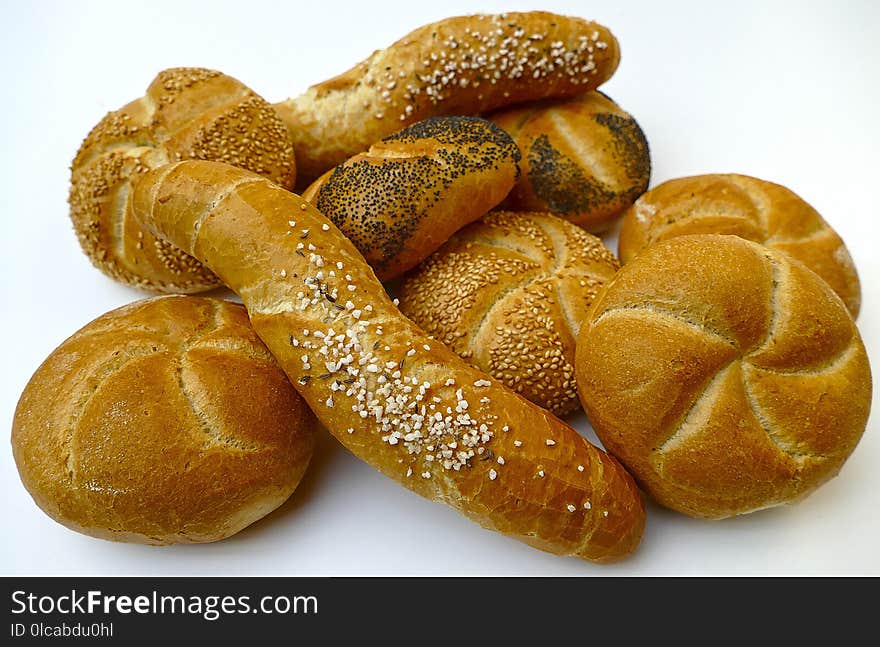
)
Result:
{"points": [[472, 162]]}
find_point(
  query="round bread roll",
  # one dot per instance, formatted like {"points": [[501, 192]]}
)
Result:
{"points": [[165, 421], [403, 198], [187, 113], [584, 158], [753, 209], [508, 293], [726, 376]]}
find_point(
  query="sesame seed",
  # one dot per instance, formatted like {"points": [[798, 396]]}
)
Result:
{"points": [[587, 505], [500, 460], [492, 475]]}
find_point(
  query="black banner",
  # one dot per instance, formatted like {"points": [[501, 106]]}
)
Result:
{"points": [[140, 610]]}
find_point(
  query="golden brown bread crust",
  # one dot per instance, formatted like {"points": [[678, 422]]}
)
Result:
{"points": [[404, 403], [753, 209], [725, 375], [508, 293], [132, 429], [402, 199], [465, 65], [584, 158], [186, 113]]}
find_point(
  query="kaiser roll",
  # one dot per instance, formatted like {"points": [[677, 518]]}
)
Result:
{"points": [[165, 421], [725, 375], [508, 293], [187, 113], [583, 158], [754, 209]]}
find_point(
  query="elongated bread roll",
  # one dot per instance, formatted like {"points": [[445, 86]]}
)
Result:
{"points": [[404, 403], [465, 65], [402, 199], [186, 113]]}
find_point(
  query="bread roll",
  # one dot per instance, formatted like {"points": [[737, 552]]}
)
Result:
{"points": [[509, 293], [403, 198], [584, 158], [186, 113], [402, 402], [754, 209], [165, 421], [459, 66], [725, 375]]}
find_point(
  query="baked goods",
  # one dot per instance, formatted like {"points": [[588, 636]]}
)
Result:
{"points": [[726, 376], [584, 158], [404, 403], [132, 429], [403, 198], [186, 113], [465, 65], [508, 293], [754, 209]]}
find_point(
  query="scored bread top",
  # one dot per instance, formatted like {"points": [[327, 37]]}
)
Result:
{"points": [[463, 65], [754, 209], [186, 113], [509, 293], [584, 158], [725, 375], [132, 429]]}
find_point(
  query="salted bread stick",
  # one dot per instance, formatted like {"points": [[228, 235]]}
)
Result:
{"points": [[464, 65], [397, 399]]}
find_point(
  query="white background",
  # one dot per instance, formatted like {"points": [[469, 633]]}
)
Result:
{"points": [[787, 92]]}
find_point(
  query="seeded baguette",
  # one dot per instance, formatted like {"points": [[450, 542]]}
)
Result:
{"points": [[406, 196], [462, 65], [378, 382]]}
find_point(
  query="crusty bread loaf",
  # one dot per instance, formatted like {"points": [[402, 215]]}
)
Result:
{"points": [[725, 375], [464, 65], [402, 199], [164, 421], [402, 402], [509, 293], [754, 209], [584, 158], [186, 113]]}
